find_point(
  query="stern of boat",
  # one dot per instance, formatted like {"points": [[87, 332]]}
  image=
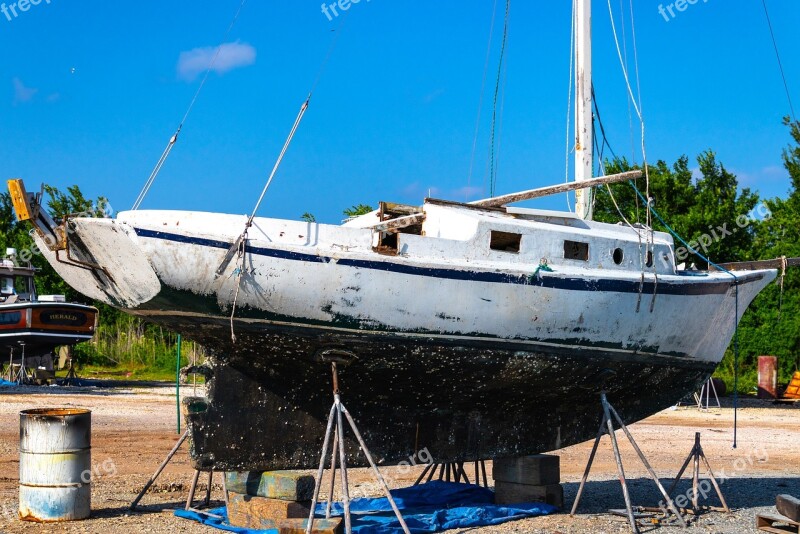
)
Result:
{"points": [[96, 256]]}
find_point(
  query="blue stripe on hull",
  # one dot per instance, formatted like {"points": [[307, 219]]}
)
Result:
{"points": [[550, 282]]}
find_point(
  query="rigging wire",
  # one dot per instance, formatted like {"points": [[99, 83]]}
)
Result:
{"points": [[164, 155], [500, 123], [625, 53], [568, 145], [492, 170], [239, 247], [736, 309], [480, 102], [780, 63]]}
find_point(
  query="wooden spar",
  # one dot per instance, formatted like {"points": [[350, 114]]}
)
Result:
{"points": [[777, 263], [400, 222], [555, 189]]}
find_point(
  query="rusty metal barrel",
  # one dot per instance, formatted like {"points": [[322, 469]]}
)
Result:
{"points": [[767, 377], [55, 464]]}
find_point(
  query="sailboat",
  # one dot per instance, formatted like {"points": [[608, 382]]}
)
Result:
{"points": [[473, 330]]}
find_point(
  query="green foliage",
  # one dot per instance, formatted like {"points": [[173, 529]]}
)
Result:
{"points": [[698, 210], [121, 340], [357, 210], [308, 217], [772, 324], [130, 343], [710, 213]]}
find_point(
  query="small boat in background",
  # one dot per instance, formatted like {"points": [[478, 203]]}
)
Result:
{"points": [[33, 325]]}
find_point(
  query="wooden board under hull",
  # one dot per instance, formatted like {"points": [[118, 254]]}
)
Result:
{"points": [[269, 396]]}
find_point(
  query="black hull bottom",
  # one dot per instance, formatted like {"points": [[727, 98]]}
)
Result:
{"points": [[270, 395]]}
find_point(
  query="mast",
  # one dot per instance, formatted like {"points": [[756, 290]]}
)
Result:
{"points": [[584, 128]]}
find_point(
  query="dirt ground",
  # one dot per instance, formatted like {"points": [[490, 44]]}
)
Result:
{"points": [[135, 428]]}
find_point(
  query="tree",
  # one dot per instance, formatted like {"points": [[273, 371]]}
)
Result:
{"points": [[358, 210], [772, 324], [709, 213]]}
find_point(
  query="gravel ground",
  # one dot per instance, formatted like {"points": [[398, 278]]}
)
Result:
{"points": [[134, 429]]}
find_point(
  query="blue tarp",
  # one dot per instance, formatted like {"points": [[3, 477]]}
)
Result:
{"points": [[5, 383], [431, 507]]}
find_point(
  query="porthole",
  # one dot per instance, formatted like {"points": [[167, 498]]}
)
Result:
{"points": [[618, 256]]}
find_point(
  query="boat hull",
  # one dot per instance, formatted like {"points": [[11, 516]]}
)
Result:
{"points": [[269, 399], [467, 359]]}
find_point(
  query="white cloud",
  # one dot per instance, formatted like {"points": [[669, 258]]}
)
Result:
{"points": [[467, 192], [231, 56], [760, 177], [22, 93]]}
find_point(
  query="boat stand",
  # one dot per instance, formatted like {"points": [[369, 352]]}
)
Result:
{"points": [[457, 470], [695, 456], [706, 391], [192, 488], [336, 429], [607, 426], [17, 372]]}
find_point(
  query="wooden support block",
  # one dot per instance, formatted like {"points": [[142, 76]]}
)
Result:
{"points": [[536, 470], [776, 525], [260, 513], [321, 526], [283, 485], [512, 493], [788, 506]]}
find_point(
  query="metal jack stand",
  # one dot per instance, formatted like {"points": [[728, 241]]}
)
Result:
{"points": [[696, 455], [706, 391], [607, 426], [337, 411], [192, 489]]}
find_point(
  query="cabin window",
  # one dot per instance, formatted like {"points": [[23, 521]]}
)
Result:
{"points": [[505, 241], [7, 285], [649, 260], [575, 250], [618, 256]]}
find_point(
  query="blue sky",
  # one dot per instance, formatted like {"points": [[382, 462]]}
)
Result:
{"points": [[91, 91]]}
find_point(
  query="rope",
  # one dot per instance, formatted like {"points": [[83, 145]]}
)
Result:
{"points": [[625, 53], [480, 102], [784, 265], [543, 267], [780, 63], [735, 317], [174, 138], [238, 273], [637, 106], [492, 170]]}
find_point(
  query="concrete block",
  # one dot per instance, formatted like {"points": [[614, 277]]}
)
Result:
{"points": [[788, 506], [261, 513], [512, 493], [321, 526], [283, 485], [536, 470]]}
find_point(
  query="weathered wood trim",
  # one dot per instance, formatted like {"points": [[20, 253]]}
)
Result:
{"points": [[555, 189]]}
